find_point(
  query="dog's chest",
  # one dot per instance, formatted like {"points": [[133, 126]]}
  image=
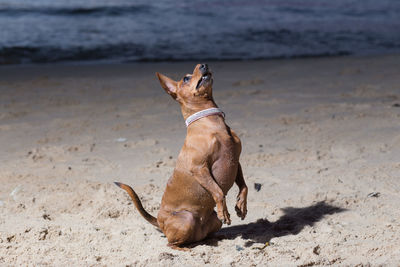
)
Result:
{"points": [[224, 168]]}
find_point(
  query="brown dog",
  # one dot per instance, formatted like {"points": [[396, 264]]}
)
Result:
{"points": [[206, 168]]}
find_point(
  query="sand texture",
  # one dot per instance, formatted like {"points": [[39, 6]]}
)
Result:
{"points": [[321, 137]]}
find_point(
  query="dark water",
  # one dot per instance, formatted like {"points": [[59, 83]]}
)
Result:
{"points": [[43, 31]]}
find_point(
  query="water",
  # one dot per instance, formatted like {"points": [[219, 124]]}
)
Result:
{"points": [[44, 31]]}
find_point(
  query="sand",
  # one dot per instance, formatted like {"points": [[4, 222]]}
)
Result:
{"points": [[321, 136]]}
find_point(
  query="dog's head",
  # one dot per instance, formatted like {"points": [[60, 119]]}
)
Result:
{"points": [[192, 88]]}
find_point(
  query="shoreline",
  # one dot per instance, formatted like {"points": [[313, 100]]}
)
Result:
{"points": [[106, 62]]}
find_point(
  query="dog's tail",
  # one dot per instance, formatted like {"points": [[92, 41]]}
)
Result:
{"points": [[138, 204]]}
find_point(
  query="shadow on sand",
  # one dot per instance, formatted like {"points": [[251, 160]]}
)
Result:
{"points": [[291, 223]]}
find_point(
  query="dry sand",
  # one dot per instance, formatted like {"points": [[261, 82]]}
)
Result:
{"points": [[319, 135]]}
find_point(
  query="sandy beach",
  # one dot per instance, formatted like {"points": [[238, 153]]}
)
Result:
{"points": [[321, 136]]}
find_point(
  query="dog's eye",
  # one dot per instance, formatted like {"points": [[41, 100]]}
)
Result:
{"points": [[186, 79]]}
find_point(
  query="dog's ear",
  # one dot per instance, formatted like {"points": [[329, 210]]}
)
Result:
{"points": [[168, 84]]}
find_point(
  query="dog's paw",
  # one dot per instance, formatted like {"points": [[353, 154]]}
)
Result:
{"points": [[172, 246], [241, 208], [225, 218], [223, 214]]}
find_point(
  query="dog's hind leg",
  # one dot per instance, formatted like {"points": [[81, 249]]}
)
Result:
{"points": [[180, 228], [212, 225], [183, 228]]}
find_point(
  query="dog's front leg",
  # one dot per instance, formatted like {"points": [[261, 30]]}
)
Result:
{"points": [[203, 176], [241, 204]]}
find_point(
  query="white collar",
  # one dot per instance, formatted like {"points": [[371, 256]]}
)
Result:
{"points": [[203, 113]]}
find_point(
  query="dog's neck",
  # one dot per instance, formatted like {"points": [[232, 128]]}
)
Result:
{"points": [[189, 109], [197, 111], [204, 113]]}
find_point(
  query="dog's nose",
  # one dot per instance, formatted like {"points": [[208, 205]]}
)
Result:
{"points": [[203, 68]]}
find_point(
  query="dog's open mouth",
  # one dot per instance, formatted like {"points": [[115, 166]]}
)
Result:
{"points": [[205, 78]]}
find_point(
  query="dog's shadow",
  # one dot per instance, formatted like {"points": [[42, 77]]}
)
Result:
{"points": [[291, 223]]}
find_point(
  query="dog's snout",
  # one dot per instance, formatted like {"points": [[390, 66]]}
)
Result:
{"points": [[203, 68]]}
